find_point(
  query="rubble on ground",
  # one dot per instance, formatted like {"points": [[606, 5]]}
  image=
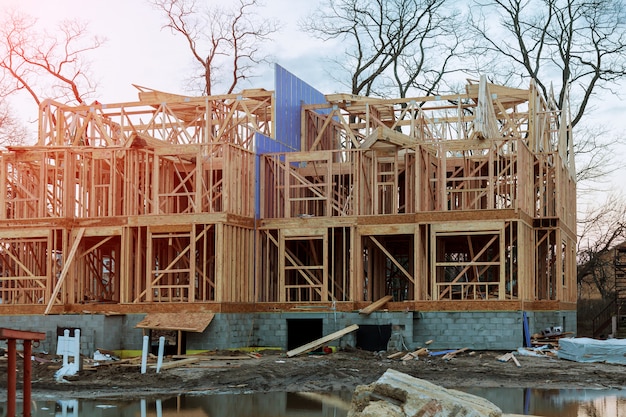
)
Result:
{"points": [[396, 394]]}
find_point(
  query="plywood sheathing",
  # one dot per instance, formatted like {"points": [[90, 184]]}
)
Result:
{"points": [[187, 321]]}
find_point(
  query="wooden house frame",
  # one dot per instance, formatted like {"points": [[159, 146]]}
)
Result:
{"points": [[460, 202]]}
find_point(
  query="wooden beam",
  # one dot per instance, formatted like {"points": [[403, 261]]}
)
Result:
{"points": [[392, 259], [66, 268], [376, 305], [179, 363], [320, 342], [20, 334]]}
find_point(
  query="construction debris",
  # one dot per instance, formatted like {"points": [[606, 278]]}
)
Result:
{"points": [[322, 341], [509, 356], [396, 355], [416, 354], [545, 351], [450, 355], [549, 337]]}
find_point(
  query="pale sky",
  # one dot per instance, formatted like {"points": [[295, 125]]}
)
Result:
{"points": [[139, 51]]}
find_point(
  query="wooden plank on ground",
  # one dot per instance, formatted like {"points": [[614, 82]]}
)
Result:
{"points": [[176, 364], [414, 355], [212, 357], [516, 361], [375, 305], [319, 342], [452, 354]]}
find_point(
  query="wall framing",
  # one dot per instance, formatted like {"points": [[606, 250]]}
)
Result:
{"points": [[448, 203]]}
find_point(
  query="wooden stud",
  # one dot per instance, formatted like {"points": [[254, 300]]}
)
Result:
{"points": [[370, 173]]}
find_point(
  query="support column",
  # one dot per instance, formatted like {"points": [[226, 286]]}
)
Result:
{"points": [[11, 378], [27, 376], [11, 336]]}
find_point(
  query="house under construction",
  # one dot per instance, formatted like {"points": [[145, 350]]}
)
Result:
{"points": [[270, 218]]}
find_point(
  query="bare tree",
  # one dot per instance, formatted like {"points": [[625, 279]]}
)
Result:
{"points": [[46, 64], [390, 45], [581, 43], [221, 40], [595, 156], [12, 131], [600, 232]]}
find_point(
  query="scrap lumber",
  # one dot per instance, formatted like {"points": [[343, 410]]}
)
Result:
{"points": [[507, 357], [212, 357], [519, 365], [176, 364], [115, 363], [319, 342], [375, 305], [217, 366], [416, 354], [396, 355], [451, 355]]}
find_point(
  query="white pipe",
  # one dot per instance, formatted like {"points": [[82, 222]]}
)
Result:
{"points": [[144, 355], [76, 350], [161, 349], [159, 408]]}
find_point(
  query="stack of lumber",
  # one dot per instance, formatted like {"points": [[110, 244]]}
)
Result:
{"points": [[539, 339]]}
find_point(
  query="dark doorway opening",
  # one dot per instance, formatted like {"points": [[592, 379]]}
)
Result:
{"points": [[373, 337], [61, 331], [302, 331]]}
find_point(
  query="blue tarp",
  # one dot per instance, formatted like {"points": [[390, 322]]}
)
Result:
{"points": [[584, 349]]}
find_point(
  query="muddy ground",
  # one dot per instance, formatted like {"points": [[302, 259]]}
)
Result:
{"points": [[219, 372]]}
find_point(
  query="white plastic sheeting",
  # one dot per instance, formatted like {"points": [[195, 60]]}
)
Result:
{"points": [[584, 349]]}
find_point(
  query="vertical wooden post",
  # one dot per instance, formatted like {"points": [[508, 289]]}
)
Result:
{"points": [[11, 378], [27, 376], [11, 337]]}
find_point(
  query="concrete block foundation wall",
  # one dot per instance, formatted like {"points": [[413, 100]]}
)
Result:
{"points": [[476, 330], [539, 321], [449, 330], [97, 331]]}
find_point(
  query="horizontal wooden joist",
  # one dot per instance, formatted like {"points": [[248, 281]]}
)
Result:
{"points": [[183, 219], [301, 307]]}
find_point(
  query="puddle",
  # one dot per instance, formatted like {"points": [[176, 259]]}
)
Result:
{"points": [[557, 403], [561, 403]]}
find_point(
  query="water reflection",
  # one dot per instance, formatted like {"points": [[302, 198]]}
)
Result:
{"points": [[556, 402], [540, 402], [274, 404]]}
